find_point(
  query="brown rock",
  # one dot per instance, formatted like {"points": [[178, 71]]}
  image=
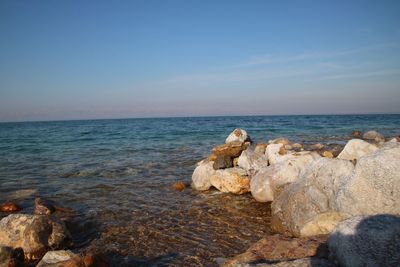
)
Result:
{"points": [[297, 147], [222, 162], [232, 150], [43, 207], [11, 257], [280, 248], [282, 151], [317, 146], [356, 134], [95, 260], [9, 207], [179, 186], [281, 140], [235, 162], [327, 154]]}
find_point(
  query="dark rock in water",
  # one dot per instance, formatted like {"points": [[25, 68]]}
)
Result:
{"points": [[35, 234], [179, 186], [222, 162], [356, 134], [9, 207], [280, 248], [43, 207], [11, 257]]}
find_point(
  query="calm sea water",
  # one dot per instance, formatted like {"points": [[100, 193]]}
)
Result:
{"points": [[117, 174]]}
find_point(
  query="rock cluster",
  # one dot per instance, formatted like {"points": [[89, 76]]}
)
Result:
{"points": [[325, 190]]}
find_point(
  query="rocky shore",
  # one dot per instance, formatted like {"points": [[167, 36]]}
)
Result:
{"points": [[331, 205]]}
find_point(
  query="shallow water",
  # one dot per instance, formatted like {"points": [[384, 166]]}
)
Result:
{"points": [[117, 176]]}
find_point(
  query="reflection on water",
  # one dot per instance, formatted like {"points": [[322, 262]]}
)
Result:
{"points": [[117, 176]]}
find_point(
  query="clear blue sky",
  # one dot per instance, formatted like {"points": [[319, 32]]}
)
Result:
{"points": [[112, 59]]}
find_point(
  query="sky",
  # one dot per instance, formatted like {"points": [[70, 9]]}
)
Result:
{"points": [[62, 60]]}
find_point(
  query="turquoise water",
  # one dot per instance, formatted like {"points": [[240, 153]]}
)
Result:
{"points": [[117, 176]]}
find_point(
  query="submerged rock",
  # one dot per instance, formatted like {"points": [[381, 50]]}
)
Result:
{"points": [[238, 135], [279, 248], [201, 175], [357, 148], [307, 207], [179, 186], [373, 136], [233, 180], [374, 187], [35, 234], [366, 241], [267, 184], [9, 207]]}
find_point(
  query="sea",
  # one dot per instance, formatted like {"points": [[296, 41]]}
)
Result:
{"points": [[116, 178]]}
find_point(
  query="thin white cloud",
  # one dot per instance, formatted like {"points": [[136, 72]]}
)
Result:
{"points": [[362, 74]]}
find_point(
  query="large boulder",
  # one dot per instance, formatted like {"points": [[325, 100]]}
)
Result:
{"points": [[272, 153], [35, 234], [233, 180], [374, 188], [307, 206], [280, 248], [201, 175], [266, 185], [252, 161], [357, 148], [238, 135], [373, 136], [232, 149], [366, 241]]}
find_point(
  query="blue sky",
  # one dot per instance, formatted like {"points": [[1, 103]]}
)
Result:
{"points": [[119, 59]]}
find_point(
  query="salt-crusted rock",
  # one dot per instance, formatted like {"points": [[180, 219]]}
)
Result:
{"points": [[373, 135], [201, 175], [272, 153], [233, 149], [251, 161], [281, 140], [307, 206], [366, 241], [35, 234], [60, 258], [233, 180], [266, 185], [357, 148], [374, 187], [238, 135], [260, 148], [280, 248]]}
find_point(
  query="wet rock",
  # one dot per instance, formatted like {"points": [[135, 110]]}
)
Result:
{"points": [[356, 134], [327, 154], [35, 234], [179, 186], [279, 248], [95, 260], [317, 146], [307, 207], [60, 258], [267, 184], [281, 140], [260, 148], [11, 257], [9, 207], [201, 175], [373, 136], [251, 161], [305, 262], [357, 148], [222, 162], [238, 135], [43, 207], [232, 149], [233, 180], [374, 187], [366, 241]]}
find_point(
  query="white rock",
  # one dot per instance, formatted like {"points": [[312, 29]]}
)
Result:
{"points": [[267, 184], [374, 188], [307, 206], [366, 241], [201, 175], [58, 257], [251, 161], [374, 135], [272, 153], [237, 135], [356, 148], [233, 180]]}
